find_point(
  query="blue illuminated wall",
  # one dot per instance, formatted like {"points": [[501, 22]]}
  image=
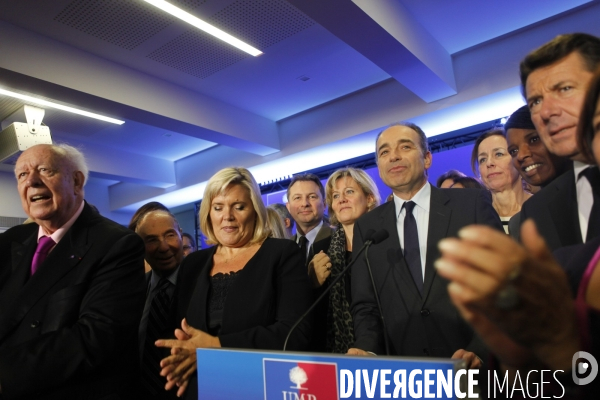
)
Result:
{"points": [[459, 158]]}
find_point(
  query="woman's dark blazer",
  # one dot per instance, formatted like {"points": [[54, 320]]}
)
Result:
{"points": [[268, 296]]}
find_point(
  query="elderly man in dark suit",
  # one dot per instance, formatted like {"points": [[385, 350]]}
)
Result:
{"points": [[420, 318], [71, 288], [555, 78], [162, 238]]}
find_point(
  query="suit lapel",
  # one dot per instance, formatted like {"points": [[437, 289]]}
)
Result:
{"points": [[564, 212], [66, 255], [439, 220], [323, 233], [199, 301]]}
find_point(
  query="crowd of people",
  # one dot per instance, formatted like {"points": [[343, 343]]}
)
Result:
{"points": [[498, 271]]}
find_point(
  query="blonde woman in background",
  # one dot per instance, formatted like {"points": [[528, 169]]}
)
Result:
{"points": [[276, 224], [349, 193]]}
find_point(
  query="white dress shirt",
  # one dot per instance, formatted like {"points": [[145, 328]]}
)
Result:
{"points": [[585, 197], [422, 199]]}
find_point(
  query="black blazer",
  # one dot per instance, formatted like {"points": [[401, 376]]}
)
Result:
{"points": [[70, 331], [554, 210], [575, 259], [417, 326], [268, 296], [167, 333]]}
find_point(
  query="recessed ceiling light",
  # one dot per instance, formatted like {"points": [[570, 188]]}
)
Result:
{"points": [[205, 26], [46, 103]]}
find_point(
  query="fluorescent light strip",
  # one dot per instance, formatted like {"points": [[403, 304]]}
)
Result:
{"points": [[206, 27], [50, 104]]}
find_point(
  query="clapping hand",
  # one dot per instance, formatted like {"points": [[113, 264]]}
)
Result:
{"points": [[181, 364]]}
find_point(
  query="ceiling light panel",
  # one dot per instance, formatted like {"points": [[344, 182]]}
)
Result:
{"points": [[204, 26], [45, 103], [262, 23]]}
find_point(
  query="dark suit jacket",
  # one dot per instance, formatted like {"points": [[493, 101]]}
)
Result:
{"points": [[70, 331], [575, 259], [554, 210], [321, 242], [318, 341], [417, 326], [266, 299], [167, 333]]}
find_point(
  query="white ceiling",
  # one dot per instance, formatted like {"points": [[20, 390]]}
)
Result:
{"points": [[193, 105]]}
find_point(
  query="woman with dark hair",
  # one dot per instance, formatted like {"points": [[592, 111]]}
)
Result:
{"points": [[589, 123], [491, 161], [537, 166], [467, 182], [448, 178]]}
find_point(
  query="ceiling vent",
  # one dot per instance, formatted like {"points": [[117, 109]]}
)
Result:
{"points": [[124, 23], [261, 24]]}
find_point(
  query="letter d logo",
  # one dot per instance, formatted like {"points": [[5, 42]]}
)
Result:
{"points": [[589, 364]]}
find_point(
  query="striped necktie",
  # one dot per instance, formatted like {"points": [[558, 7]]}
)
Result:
{"points": [[158, 319]]}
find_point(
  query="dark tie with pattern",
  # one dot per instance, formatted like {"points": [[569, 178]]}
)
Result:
{"points": [[412, 253], [593, 176], [45, 244], [302, 243], [158, 318]]}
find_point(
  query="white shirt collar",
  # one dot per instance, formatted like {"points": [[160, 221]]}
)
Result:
{"points": [[60, 232], [578, 166], [421, 199], [312, 235]]}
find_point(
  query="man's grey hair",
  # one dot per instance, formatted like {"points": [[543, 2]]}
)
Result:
{"points": [[75, 157], [283, 212], [423, 143]]}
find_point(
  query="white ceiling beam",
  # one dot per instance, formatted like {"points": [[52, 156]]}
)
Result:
{"points": [[127, 167], [386, 33]]}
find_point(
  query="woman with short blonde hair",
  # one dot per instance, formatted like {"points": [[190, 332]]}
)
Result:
{"points": [[349, 193], [244, 292], [216, 185], [365, 182]]}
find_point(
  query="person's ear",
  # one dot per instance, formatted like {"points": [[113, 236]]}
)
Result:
{"points": [[370, 202], [428, 159], [78, 181]]}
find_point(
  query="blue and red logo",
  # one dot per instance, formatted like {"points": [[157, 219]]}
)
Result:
{"points": [[293, 380]]}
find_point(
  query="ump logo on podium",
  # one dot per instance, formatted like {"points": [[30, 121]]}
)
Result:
{"points": [[293, 380]]}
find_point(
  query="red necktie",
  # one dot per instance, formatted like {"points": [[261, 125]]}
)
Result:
{"points": [[44, 246]]}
